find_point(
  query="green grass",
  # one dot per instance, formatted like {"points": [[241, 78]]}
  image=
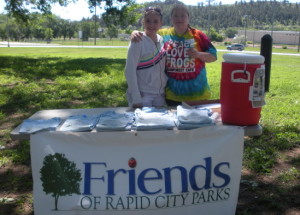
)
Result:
{"points": [[78, 42], [74, 53], [33, 79]]}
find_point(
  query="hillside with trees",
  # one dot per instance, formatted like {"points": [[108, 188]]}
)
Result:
{"points": [[215, 18], [260, 15]]}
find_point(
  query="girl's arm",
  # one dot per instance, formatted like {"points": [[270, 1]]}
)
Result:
{"points": [[203, 56], [133, 57]]}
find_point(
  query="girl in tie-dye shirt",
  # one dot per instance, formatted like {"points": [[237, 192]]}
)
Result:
{"points": [[187, 51]]}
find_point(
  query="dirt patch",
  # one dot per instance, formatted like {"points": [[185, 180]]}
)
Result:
{"points": [[275, 193]]}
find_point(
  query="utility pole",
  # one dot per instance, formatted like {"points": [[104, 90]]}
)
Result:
{"points": [[7, 30], [95, 17], [253, 38], [298, 37], [273, 14], [208, 21], [299, 40], [245, 26]]}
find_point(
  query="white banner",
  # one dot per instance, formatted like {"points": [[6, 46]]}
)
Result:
{"points": [[148, 172]]}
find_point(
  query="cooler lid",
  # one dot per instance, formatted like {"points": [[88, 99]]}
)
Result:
{"points": [[243, 58]]}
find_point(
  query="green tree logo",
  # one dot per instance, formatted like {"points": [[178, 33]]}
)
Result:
{"points": [[60, 176]]}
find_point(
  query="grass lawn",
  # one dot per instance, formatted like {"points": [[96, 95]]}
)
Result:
{"points": [[91, 42], [33, 79]]}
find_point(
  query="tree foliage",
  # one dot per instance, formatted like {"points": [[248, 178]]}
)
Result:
{"points": [[224, 20], [112, 31], [60, 177], [261, 14], [124, 17], [19, 9]]}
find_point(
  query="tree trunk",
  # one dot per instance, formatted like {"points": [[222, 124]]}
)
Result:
{"points": [[56, 201]]}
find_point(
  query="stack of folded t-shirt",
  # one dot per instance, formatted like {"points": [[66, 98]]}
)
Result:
{"points": [[193, 118], [79, 123], [150, 118], [112, 121], [30, 126]]}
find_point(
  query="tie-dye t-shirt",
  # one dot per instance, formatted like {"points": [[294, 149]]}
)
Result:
{"points": [[187, 79]]}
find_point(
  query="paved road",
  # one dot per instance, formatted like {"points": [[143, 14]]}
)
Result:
{"points": [[38, 45], [41, 45]]}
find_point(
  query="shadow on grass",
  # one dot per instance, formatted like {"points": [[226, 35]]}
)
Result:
{"points": [[35, 86], [13, 208], [49, 68], [268, 199], [16, 180]]}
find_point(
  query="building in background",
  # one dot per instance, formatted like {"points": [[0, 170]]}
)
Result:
{"points": [[279, 37]]}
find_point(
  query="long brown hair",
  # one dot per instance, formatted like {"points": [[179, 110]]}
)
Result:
{"points": [[185, 9]]}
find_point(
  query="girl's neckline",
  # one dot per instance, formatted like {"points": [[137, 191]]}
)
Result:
{"points": [[154, 38], [182, 33]]}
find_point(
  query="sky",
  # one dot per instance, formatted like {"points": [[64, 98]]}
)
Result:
{"points": [[79, 10]]}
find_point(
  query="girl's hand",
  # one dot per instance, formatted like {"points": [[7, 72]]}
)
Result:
{"points": [[136, 36], [193, 53], [204, 56]]}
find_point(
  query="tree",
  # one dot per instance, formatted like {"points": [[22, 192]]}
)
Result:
{"points": [[48, 34], [60, 177], [215, 36], [19, 8], [67, 29], [86, 27], [112, 31], [230, 32], [127, 15]]}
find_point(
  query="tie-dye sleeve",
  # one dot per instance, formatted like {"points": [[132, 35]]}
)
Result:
{"points": [[205, 43]]}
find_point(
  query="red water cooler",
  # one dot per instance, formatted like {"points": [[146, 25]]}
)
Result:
{"points": [[242, 88]]}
